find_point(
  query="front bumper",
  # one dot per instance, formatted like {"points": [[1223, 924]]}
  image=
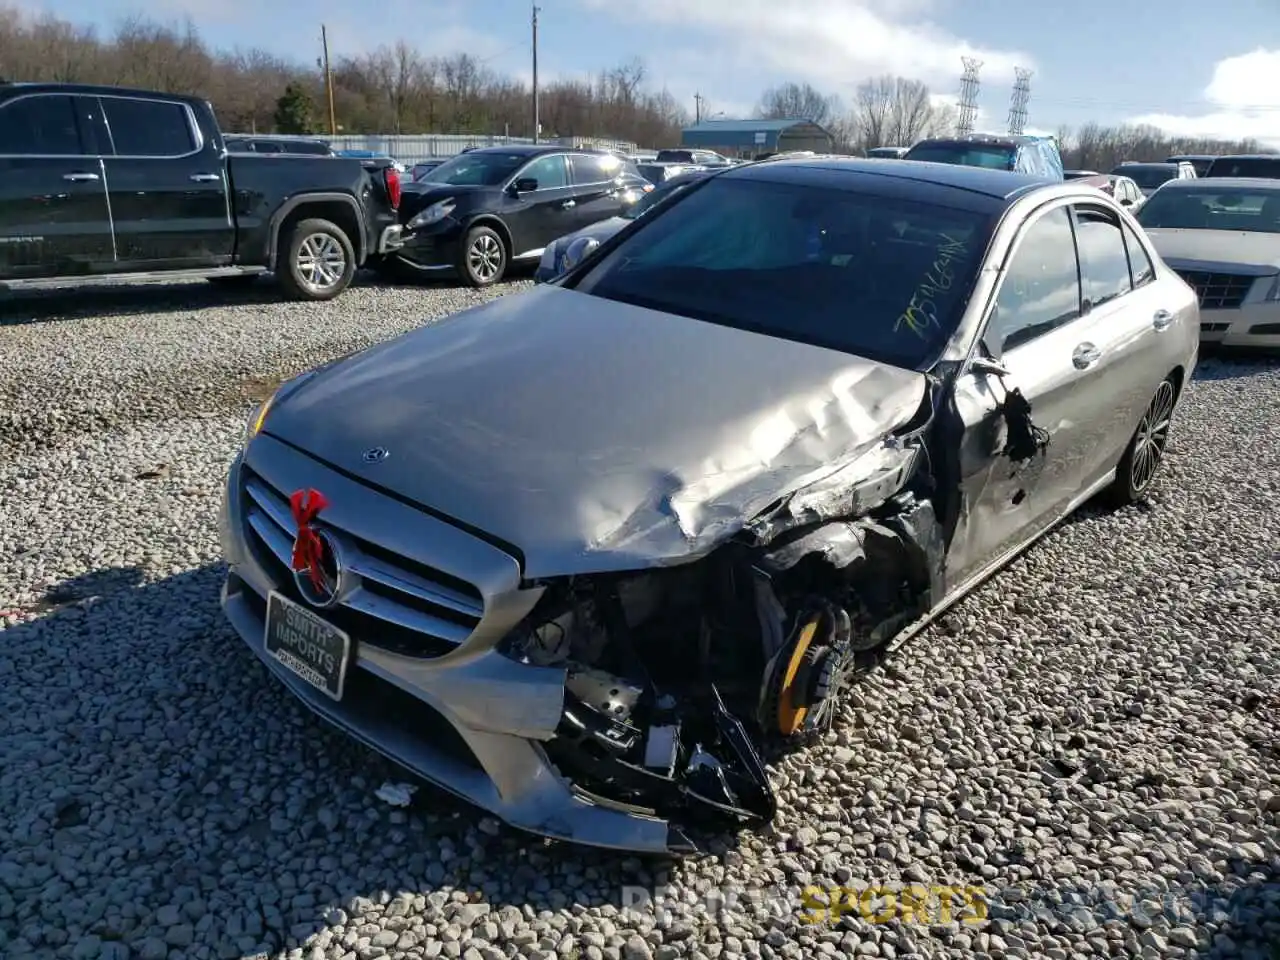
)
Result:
{"points": [[1252, 325], [471, 721], [433, 249]]}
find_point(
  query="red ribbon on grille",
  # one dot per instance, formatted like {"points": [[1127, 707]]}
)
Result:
{"points": [[308, 551]]}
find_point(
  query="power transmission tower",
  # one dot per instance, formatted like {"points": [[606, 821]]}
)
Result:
{"points": [[967, 106], [1018, 104], [537, 120]]}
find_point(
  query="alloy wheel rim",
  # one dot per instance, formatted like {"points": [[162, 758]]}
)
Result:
{"points": [[485, 257], [321, 261], [1152, 438]]}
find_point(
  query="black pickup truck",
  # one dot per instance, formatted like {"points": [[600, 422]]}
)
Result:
{"points": [[101, 183]]}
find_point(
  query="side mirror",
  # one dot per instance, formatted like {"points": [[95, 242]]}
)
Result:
{"points": [[525, 185], [988, 366], [578, 251]]}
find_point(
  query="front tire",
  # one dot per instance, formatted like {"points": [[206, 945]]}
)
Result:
{"points": [[316, 262], [1142, 458], [482, 260]]}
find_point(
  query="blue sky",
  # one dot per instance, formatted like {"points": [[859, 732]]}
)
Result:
{"points": [[1124, 60]]}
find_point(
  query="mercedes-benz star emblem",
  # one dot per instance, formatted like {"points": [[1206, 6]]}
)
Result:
{"points": [[376, 454], [325, 590]]}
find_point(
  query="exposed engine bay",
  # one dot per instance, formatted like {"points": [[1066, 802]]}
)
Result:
{"points": [[678, 679]]}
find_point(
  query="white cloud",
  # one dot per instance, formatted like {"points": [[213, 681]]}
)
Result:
{"points": [[833, 44], [1243, 98]]}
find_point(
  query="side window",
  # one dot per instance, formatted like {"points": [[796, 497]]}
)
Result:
{"points": [[40, 126], [549, 171], [1041, 288], [148, 128], [589, 168], [1140, 265], [1104, 265], [267, 146]]}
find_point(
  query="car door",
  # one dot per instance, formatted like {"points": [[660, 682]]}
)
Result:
{"points": [[54, 218], [1124, 318], [537, 217], [1033, 328], [597, 193], [167, 186]]}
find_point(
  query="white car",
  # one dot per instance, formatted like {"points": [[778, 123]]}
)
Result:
{"points": [[1222, 236]]}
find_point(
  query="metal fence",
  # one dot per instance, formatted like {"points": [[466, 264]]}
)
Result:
{"points": [[411, 148]]}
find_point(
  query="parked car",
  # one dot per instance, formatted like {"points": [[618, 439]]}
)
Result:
{"points": [[1222, 236], [1079, 174], [100, 182], [578, 554], [1127, 192], [887, 153], [481, 211], [557, 257], [422, 168], [278, 146], [697, 158], [1151, 176], [373, 155], [1037, 156], [1261, 165], [1200, 162], [659, 173]]}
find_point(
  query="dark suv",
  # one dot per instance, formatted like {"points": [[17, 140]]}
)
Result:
{"points": [[479, 212], [277, 146]]}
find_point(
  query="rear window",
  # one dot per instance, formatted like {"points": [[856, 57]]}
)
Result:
{"points": [[1246, 167], [882, 278], [675, 156], [310, 148], [1148, 176], [1213, 209], [991, 156]]}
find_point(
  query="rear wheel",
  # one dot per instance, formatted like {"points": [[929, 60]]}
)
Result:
{"points": [[483, 257], [316, 261], [1142, 458]]}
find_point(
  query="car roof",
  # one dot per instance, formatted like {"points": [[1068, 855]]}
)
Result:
{"points": [[19, 88], [999, 187], [1225, 183], [1142, 164], [534, 149], [1249, 156]]}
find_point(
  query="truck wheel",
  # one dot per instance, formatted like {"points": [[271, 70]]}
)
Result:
{"points": [[483, 258], [316, 261]]}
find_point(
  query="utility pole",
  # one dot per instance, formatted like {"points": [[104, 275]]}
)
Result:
{"points": [[537, 122], [697, 107], [328, 81]]}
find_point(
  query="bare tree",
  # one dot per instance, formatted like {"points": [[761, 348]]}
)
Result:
{"points": [[791, 101]]}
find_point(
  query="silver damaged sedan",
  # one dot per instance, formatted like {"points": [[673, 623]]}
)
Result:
{"points": [[585, 556]]}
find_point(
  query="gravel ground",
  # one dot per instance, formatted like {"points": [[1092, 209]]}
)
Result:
{"points": [[1093, 739]]}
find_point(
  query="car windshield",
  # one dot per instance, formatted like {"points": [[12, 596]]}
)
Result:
{"points": [[1147, 177], [992, 156], [874, 276], [1267, 167], [477, 169], [1206, 208]]}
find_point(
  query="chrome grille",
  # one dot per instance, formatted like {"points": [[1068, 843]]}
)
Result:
{"points": [[396, 603], [1218, 291]]}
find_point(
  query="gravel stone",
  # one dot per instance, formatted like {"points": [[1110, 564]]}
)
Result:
{"points": [[1096, 728]]}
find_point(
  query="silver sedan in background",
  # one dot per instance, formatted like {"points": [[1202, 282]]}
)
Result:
{"points": [[1222, 236], [578, 554]]}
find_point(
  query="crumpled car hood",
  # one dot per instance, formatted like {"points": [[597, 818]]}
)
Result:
{"points": [[1208, 249], [593, 435]]}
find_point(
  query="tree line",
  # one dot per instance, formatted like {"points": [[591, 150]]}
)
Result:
{"points": [[896, 111], [397, 90]]}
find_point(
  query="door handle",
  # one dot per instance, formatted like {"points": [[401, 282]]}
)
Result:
{"points": [[204, 177], [1162, 320], [1085, 356], [568, 205], [80, 177]]}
